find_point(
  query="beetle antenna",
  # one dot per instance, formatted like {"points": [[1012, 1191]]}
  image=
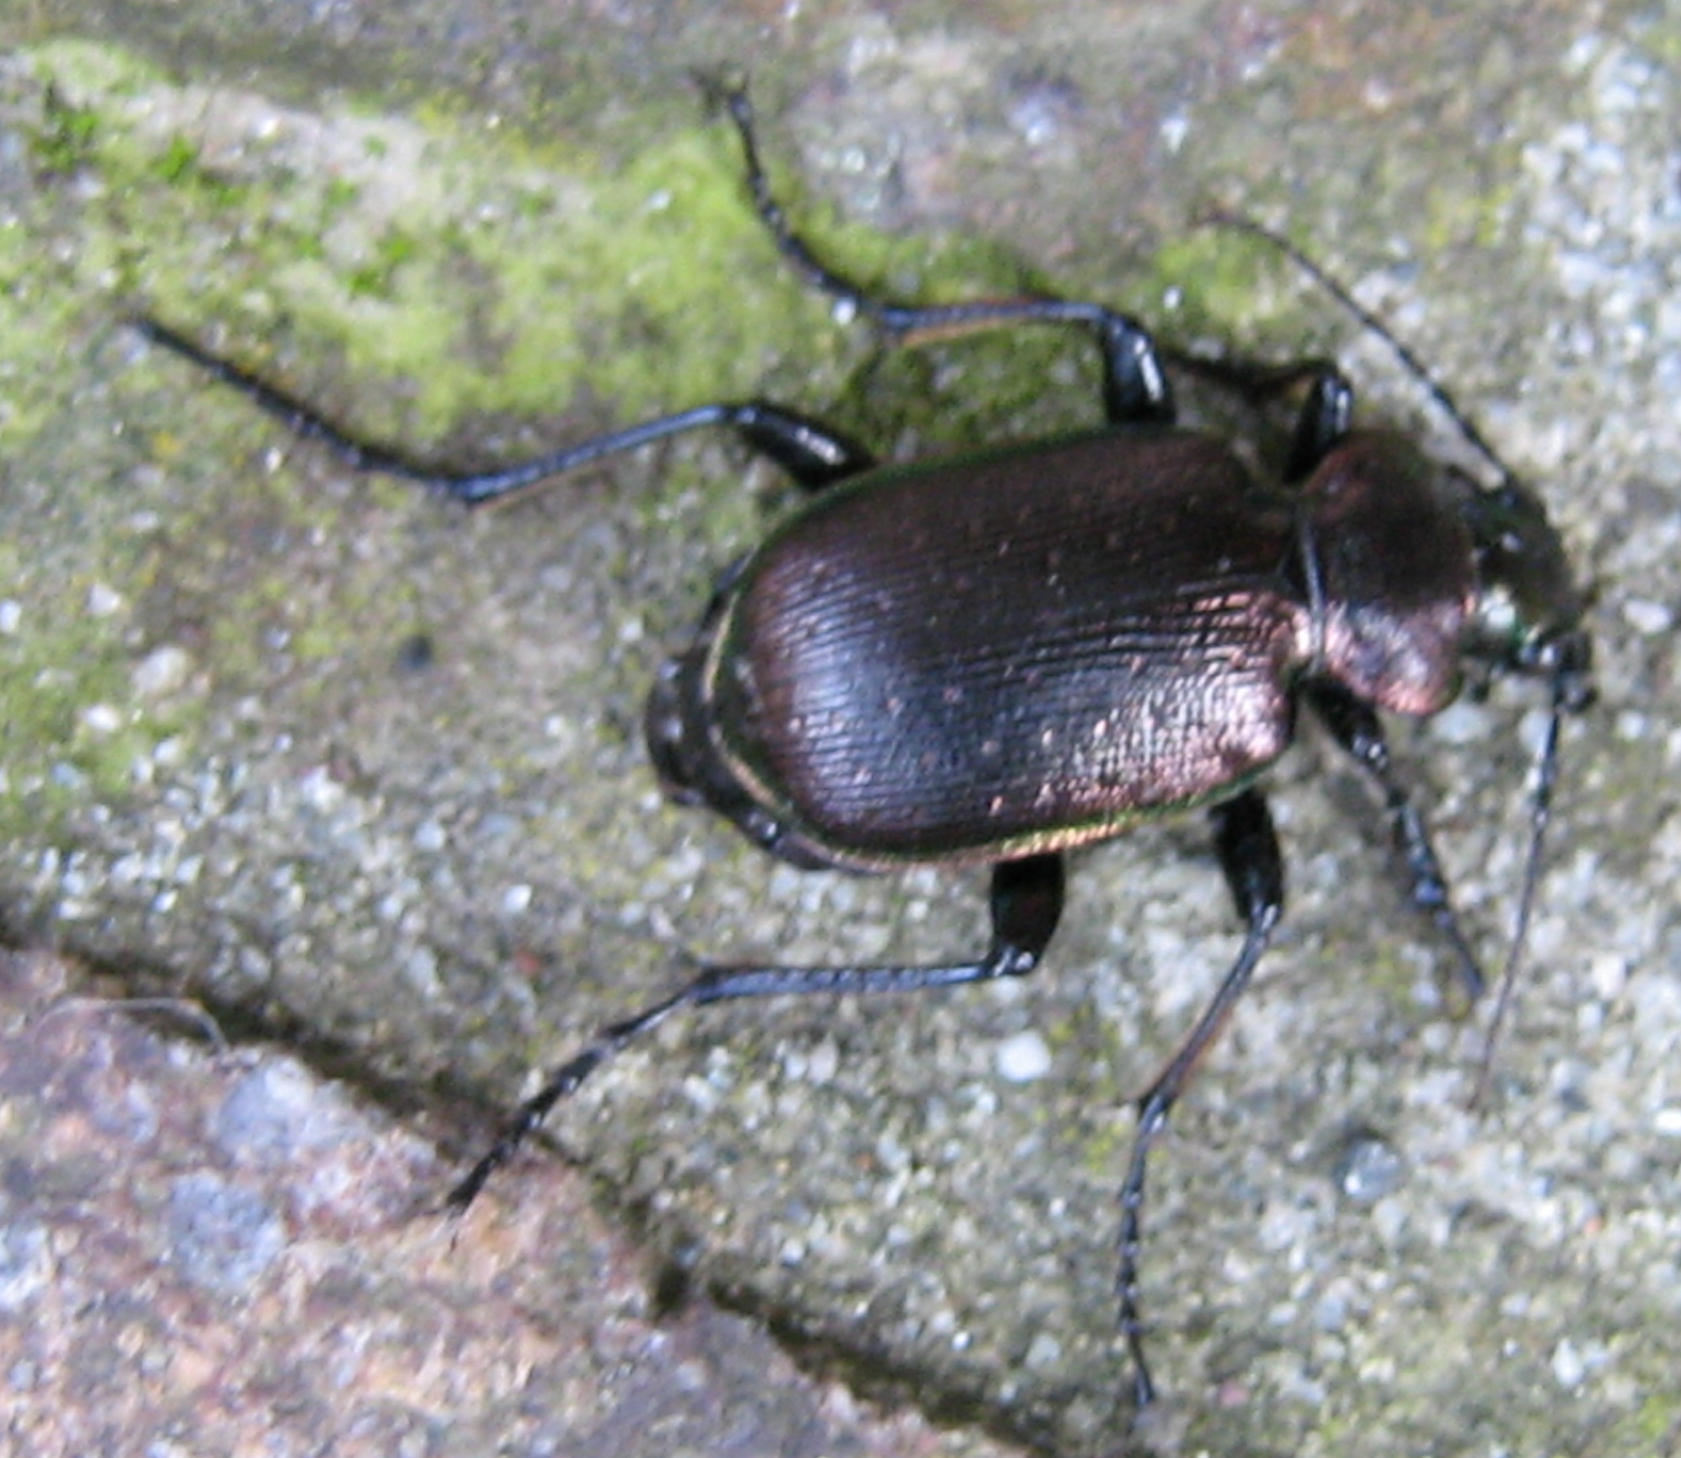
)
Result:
{"points": [[1546, 773], [1414, 366]]}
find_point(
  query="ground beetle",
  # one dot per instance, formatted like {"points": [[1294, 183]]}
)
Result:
{"points": [[996, 657]]}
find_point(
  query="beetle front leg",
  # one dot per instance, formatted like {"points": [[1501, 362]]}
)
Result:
{"points": [[1326, 416], [1354, 724], [1135, 387], [1025, 904], [1248, 850]]}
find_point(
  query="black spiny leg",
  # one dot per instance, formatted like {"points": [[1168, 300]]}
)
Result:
{"points": [[1354, 724], [1326, 414], [1248, 851], [1025, 903], [1135, 388], [1326, 417], [812, 454]]}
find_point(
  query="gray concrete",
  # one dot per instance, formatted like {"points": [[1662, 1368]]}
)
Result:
{"points": [[225, 776]]}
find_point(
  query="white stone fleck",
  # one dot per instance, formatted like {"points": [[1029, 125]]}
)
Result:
{"points": [[103, 600], [1568, 1367], [1647, 617], [161, 672], [1023, 1058], [1044, 1352], [1667, 1121], [101, 719]]}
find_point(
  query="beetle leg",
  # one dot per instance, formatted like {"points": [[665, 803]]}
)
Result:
{"points": [[1025, 903], [812, 453], [1354, 724], [1326, 415], [1135, 387], [1249, 856], [1410, 362]]}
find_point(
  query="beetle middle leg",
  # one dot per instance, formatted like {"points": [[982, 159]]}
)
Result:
{"points": [[813, 454], [1025, 905]]}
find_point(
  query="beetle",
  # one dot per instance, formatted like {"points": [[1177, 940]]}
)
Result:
{"points": [[999, 656]]}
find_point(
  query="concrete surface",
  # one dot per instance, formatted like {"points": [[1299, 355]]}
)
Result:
{"points": [[363, 778]]}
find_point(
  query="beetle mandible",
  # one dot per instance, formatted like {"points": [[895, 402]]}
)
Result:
{"points": [[996, 657]]}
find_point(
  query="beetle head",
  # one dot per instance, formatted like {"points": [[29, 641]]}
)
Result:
{"points": [[1529, 610]]}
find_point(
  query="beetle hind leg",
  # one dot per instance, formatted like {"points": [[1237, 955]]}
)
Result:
{"points": [[1025, 905], [1248, 850]]}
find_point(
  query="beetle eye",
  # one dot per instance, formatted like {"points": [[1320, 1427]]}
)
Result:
{"points": [[1522, 568]]}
